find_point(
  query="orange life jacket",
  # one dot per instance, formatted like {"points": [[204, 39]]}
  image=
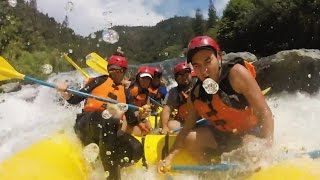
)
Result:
{"points": [[155, 93], [182, 113], [139, 98], [228, 110], [182, 109], [106, 90]]}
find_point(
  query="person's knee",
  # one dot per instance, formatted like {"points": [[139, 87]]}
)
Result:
{"points": [[82, 128], [191, 137], [129, 147], [137, 149], [173, 124]]}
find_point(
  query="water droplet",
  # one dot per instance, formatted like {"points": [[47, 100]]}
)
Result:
{"points": [[210, 86], [106, 174], [110, 36], [91, 152], [46, 69], [69, 6], [70, 51], [12, 3], [98, 45], [106, 114], [93, 35], [108, 25], [105, 13], [166, 53], [235, 131], [254, 159], [99, 125], [309, 75], [28, 43], [122, 107], [126, 159], [108, 153], [276, 105]]}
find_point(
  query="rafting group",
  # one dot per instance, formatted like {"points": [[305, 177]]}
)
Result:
{"points": [[225, 94]]}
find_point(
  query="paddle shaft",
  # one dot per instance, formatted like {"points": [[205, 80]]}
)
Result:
{"points": [[225, 167], [218, 167], [314, 154], [27, 78], [179, 128], [155, 102]]}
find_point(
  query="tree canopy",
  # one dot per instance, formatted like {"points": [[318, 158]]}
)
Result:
{"points": [[29, 39]]}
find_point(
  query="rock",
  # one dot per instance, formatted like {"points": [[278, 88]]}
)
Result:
{"points": [[290, 70], [11, 87], [245, 55]]}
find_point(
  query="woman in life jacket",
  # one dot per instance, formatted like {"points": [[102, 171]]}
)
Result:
{"points": [[174, 110], [138, 94], [157, 89], [101, 123], [228, 96]]}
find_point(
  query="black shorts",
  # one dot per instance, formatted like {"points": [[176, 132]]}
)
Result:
{"points": [[227, 141], [91, 127]]}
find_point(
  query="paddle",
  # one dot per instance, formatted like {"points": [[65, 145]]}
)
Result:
{"points": [[179, 128], [264, 92], [8, 72], [97, 63], [66, 57], [218, 167], [225, 167], [155, 101]]}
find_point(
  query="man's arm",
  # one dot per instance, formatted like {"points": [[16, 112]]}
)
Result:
{"points": [[243, 82]]}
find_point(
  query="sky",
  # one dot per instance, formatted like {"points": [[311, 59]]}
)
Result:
{"points": [[87, 16]]}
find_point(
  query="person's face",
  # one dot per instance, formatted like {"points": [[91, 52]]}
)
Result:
{"points": [[156, 81], [144, 82], [183, 78], [117, 75], [206, 64]]}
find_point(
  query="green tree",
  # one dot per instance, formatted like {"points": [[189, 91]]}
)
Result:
{"points": [[212, 16], [198, 24]]}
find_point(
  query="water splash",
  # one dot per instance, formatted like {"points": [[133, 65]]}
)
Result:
{"points": [[12, 3]]}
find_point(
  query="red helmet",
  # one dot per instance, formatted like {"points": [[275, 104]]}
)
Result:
{"points": [[181, 66], [157, 71], [144, 71], [201, 42], [117, 60]]}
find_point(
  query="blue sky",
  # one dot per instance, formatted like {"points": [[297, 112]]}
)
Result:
{"points": [[87, 16], [186, 7]]}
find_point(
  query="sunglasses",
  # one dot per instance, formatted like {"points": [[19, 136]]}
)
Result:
{"points": [[182, 74], [116, 71]]}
